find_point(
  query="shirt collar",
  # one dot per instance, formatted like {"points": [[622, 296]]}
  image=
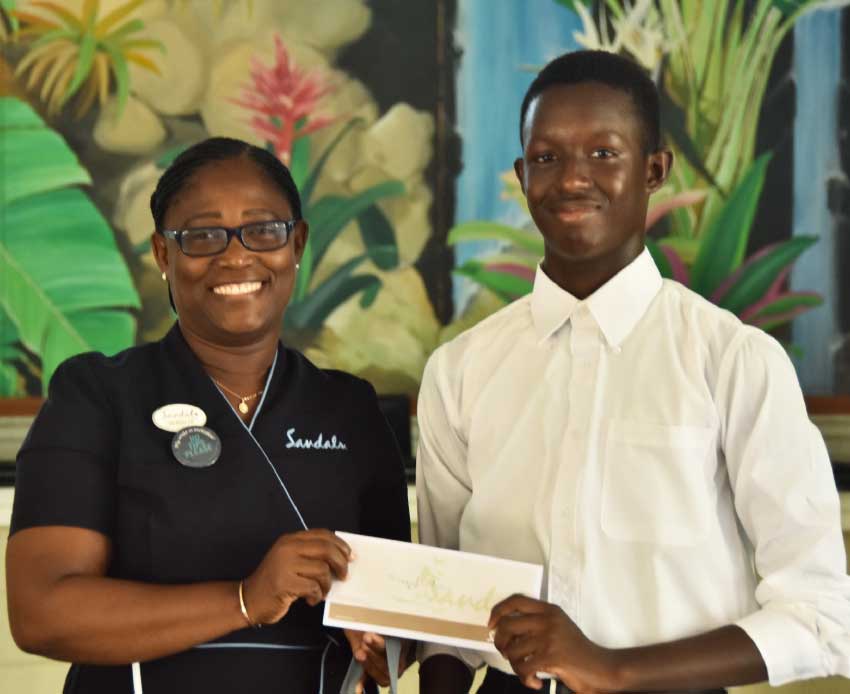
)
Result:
{"points": [[616, 306]]}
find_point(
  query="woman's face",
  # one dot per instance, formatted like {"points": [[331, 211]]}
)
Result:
{"points": [[237, 296]]}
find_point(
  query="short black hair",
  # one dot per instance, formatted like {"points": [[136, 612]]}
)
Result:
{"points": [[607, 68], [191, 160]]}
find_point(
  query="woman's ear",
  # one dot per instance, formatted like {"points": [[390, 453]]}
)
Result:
{"points": [[160, 251], [299, 239]]}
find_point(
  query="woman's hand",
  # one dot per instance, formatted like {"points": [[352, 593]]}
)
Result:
{"points": [[298, 565], [537, 636], [370, 650]]}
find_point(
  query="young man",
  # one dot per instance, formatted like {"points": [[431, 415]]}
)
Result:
{"points": [[645, 446]]}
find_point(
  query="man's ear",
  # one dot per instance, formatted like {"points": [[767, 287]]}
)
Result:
{"points": [[519, 169], [658, 166], [160, 251]]}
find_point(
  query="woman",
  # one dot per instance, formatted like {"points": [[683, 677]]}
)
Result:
{"points": [[175, 497]]}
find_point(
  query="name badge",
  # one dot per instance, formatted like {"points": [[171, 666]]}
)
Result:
{"points": [[178, 416]]}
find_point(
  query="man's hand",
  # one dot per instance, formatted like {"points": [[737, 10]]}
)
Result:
{"points": [[536, 637], [370, 650]]}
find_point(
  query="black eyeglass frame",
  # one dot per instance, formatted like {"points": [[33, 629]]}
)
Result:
{"points": [[178, 234]]}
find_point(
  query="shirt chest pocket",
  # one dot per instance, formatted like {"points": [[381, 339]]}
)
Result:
{"points": [[657, 483]]}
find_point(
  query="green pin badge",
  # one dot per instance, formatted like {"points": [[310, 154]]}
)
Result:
{"points": [[196, 447]]}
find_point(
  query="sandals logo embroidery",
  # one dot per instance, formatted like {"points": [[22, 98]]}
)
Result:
{"points": [[320, 442]]}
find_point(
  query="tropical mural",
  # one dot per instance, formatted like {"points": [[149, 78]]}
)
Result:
{"points": [[399, 123]]}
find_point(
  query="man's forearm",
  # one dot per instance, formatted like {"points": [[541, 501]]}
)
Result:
{"points": [[721, 658], [444, 674]]}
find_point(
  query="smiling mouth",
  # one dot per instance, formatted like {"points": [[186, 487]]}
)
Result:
{"points": [[237, 288], [574, 212]]}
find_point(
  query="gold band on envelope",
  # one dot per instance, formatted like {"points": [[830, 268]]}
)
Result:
{"points": [[411, 622]]}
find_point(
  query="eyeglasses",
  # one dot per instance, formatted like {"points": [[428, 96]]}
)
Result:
{"points": [[255, 236]]}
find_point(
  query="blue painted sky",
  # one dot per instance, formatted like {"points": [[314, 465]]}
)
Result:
{"points": [[502, 42]]}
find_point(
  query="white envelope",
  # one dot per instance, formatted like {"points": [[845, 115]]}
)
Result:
{"points": [[425, 593]]}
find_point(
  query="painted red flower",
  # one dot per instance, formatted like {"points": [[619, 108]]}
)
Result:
{"points": [[283, 99]]}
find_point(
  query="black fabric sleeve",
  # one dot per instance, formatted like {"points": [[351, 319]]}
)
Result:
{"points": [[65, 470], [384, 511]]}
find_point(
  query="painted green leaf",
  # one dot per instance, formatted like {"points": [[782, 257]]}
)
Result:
{"points": [[673, 123], [329, 216], [121, 72], [789, 302], [508, 287], [63, 280], [65, 286], [312, 310], [164, 160], [492, 231], [725, 239], [305, 272], [378, 237], [85, 58], [300, 160], [660, 259], [9, 20], [772, 316], [789, 7], [569, 4], [759, 275], [367, 298], [53, 36], [35, 159], [316, 172], [10, 381], [513, 257], [133, 26], [685, 248]]}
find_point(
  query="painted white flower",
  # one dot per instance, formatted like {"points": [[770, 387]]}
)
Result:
{"points": [[638, 29], [590, 37]]}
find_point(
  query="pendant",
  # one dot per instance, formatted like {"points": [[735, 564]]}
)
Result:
{"points": [[243, 408]]}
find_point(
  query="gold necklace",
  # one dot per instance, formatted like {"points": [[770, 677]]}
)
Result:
{"points": [[243, 405]]}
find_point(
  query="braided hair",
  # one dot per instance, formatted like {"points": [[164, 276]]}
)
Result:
{"points": [[215, 149]]}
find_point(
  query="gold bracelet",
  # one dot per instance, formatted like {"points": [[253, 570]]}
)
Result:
{"points": [[245, 609]]}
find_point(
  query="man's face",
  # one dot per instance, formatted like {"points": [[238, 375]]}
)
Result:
{"points": [[586, 175]]}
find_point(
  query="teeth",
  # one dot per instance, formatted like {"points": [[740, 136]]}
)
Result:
{"points": [[241, 288]]}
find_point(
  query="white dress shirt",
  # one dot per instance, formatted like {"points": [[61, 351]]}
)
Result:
{"points": [[654, 454]]}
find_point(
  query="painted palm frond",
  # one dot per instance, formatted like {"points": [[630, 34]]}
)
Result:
{"points": [[65, 287], [82, 55]]}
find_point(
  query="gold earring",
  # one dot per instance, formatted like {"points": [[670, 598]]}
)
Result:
{"points": [[163, 277]]}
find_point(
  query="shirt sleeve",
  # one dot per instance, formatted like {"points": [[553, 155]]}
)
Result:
{"points": [[385, 512], [443, 486], [65, 469], [786, 500]]}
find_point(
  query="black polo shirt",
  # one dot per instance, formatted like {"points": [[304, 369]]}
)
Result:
{"points": [[94, 459]]}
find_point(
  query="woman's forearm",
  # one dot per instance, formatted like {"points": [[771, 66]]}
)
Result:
{"points": [[99, 620], [62, 605]]}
